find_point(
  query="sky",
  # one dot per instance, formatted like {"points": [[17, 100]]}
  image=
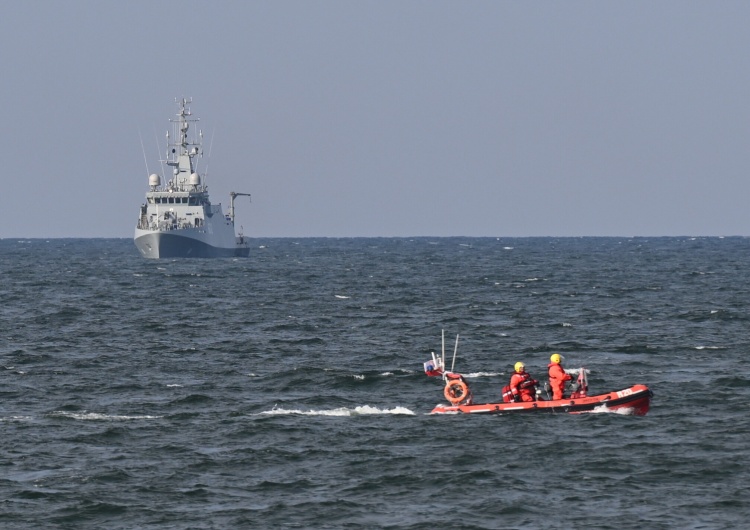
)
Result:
{"points": [[383, 118]]}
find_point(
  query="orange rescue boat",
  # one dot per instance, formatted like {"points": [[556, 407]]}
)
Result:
{"points": [[634, 400]]}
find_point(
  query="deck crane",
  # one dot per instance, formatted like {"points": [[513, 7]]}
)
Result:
{"points": [[232, 195]]}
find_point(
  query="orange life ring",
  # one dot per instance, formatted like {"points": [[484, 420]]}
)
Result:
{"points": [[456, 392]]}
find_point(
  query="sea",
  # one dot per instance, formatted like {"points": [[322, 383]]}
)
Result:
{"points": [[287, 390]]}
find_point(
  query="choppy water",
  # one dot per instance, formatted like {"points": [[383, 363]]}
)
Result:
{"points": [[286, 390]]}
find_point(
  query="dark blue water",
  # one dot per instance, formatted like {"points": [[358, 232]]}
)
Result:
{"points": [[286, 390]]}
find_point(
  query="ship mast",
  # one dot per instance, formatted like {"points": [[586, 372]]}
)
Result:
{"points": [[180, 153]]}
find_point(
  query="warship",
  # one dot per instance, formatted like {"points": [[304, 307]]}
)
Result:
{"points": [[178, 220]]}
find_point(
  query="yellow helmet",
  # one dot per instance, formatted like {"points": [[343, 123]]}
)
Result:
{"points": [[519, 367], [556, 358]]}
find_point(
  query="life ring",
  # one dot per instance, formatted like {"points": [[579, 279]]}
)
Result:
{"points": [[456, 392]]}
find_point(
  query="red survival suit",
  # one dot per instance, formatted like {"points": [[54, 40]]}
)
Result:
{"points": [[557, 378], [523, 386]]}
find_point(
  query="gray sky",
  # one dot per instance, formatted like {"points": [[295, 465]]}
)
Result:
{"points": [[384, 118]]}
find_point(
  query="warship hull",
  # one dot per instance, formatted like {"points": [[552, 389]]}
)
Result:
{"points": [[160, 245]]}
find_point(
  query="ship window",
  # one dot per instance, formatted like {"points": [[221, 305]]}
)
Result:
{"points": [[171, 200]]}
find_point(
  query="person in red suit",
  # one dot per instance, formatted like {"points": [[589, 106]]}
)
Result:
{"points": [[522, 385], [557, 376]]}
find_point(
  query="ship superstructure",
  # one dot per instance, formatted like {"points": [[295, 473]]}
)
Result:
{"points": [[178, 219]]}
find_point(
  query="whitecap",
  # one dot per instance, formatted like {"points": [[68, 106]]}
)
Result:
{"points": [[474, 375], [342, 411], [16, 418], [341, 296], [100, 417], [366, 409], [603, 409]]}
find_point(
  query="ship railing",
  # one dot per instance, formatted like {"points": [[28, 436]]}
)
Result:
{"points": [[165, 226]]}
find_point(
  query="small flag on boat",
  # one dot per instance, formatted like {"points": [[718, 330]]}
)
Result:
{"points": [[434, 367]]}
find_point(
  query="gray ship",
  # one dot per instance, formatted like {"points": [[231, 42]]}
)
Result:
{"points": [[178, 219]]}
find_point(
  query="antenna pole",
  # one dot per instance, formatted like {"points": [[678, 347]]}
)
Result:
{"points": [[443, 348], [158, 151], [210, 148], [454, 354], [144, 152]]}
